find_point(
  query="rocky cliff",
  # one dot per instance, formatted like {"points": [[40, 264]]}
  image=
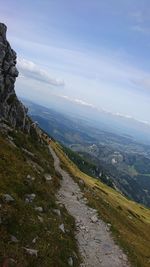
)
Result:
{"points": [[11, 109]]}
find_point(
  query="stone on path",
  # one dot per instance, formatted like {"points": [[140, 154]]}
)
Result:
{"points": [[94, 219]]}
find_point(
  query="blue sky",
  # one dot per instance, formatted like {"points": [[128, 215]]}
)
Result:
{"points": [[91, 52]]}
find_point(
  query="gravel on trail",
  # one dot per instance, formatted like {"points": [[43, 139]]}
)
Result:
{"points": [[95, 242]]}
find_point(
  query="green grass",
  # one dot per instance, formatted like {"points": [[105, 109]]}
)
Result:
{"points": [[20, 218], [130, 221]]}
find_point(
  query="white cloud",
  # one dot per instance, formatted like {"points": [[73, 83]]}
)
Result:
{"points": [[117, 114], [83, 103], [129, 117], [141, 29], [107, 67], [106, 79], [138, 16], [77, 101], [33, 71]]}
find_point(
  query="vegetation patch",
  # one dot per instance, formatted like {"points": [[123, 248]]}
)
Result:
{"points": [[30, 216]]}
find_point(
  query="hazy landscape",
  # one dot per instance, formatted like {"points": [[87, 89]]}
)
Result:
{"points": [[123, 160]]}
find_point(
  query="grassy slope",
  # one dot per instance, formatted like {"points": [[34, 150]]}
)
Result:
{"points": [[130, 221], [87, 166], [20, 219]]}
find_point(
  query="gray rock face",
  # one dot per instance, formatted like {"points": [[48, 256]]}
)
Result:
{"points": [[11, 108]]}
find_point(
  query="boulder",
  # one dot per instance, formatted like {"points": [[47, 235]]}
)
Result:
{"points": [[62, 228], [14, 239], [70, 261], [7, 198], [57, 211], [29, 198], [40, 219], [47, 177], [29, 177], [39, 209], [31, 252]]}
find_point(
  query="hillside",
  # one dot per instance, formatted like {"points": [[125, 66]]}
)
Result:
{"points": [[30, 217], [28, 169], [129, 221]]}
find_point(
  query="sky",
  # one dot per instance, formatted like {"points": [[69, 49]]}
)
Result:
{"points": [[95, 53]]}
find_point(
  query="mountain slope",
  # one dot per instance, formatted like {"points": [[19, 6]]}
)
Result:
{"points": [[30, 223], [130, 222]]}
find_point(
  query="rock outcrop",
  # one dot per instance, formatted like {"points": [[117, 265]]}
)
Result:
{"points": [[11, 109]]}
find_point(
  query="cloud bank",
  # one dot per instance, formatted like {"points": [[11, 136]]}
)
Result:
{"points": [[33, 71], [115, 114], [78, 101]]}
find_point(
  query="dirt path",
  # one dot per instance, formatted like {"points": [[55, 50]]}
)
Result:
{"points": [[95, 242]]}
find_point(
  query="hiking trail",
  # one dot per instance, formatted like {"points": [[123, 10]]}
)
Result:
{"points": [[95, 242]]}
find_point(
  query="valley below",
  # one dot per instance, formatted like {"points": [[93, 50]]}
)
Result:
{"points": [[119, 161]]}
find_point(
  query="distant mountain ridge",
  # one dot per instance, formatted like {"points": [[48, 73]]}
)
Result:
{"points": [[106, 121]]}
